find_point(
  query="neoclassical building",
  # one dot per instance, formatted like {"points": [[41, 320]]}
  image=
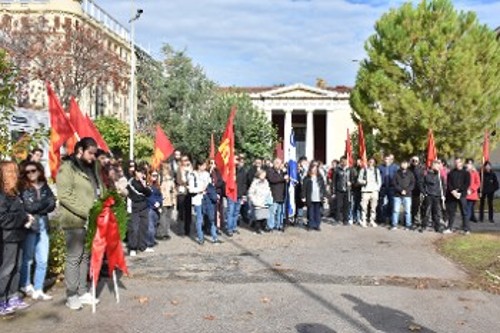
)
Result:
{"points": [[319, 117], [97, 100]]}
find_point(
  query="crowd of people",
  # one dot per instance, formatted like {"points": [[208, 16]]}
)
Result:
{"points": [[365, 196]]}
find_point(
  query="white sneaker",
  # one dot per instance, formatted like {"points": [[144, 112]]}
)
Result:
{"points": [[39, 295], [149, 250], [394, 228], [447, 231], [133, 253], [28, 290], [88, 299], [373, 225], [363, 225]]}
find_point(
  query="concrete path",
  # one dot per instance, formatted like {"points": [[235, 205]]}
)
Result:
{"points": [[342, 279]]}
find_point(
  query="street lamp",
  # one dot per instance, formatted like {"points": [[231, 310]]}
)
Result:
{"points": [[132, 79]]}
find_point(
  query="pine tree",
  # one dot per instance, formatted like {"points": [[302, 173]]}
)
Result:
{"points": [[429, 66]]}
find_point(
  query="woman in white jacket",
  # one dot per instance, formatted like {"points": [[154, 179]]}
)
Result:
{"points": [[261, 198]]}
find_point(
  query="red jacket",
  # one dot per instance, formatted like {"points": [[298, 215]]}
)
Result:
{"points": [[475, 184]]}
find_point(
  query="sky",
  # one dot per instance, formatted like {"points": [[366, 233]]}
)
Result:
{"points": [[269, 42]]}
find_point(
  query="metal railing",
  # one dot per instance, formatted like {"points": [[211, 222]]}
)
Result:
{"points": [[101, 16]]}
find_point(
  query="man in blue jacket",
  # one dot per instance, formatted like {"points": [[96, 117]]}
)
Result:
{"points": [[386, 199]]}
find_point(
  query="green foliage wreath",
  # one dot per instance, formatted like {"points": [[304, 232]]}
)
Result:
{"points": [[119, 209]]}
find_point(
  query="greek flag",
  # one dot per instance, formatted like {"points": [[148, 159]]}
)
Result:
{"points": [[292, 174]]}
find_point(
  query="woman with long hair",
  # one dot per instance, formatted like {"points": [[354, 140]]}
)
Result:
{"points": [[38, 201], [169, 194], [313, 194], [155, 201], [13, 223], [138, 193], [79, 186]]}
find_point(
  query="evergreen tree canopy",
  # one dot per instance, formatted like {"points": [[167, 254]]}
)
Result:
{"points": [[429, 66]]}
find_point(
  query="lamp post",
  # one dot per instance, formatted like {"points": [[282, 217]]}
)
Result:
{"points": [[138, 14]]}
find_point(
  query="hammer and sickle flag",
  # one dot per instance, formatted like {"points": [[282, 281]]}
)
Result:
{"points": [[163, 148], [224, 158]]}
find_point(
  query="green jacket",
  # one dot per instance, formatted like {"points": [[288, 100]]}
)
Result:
{"points": [[76, 194]]}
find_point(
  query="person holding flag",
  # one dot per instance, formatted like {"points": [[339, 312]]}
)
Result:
{"points": [[293, 174]]}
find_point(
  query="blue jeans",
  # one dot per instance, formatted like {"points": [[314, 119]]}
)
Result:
{"points": [[275, 220], [470, 210], [407, 208], [153, 219], [314, 214], [233, 211], [199, 224], [36, 245]]}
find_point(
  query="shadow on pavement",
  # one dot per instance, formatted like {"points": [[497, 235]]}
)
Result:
{"points": [[313, 328], [358, 325], [386, 319]]}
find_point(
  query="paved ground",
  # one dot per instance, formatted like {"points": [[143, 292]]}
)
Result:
{"points": [[342, 279]]}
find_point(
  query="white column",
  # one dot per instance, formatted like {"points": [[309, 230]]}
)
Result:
{"points": [[269, 114], [330, 137], [310, 135], [287, 132]]}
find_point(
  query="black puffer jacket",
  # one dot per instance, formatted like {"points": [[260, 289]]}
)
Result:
{"points": [[39, 203], [138, 194], [431, 185], [13, 217], [404, 181], [490, 183], [342, 176]]}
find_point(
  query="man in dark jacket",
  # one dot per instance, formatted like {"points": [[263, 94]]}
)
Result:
{"points": [[343, 180], [403, 183], [489, 187], [386, 197], [277, 178], [432, 188], [456, 195], [417, 204]]}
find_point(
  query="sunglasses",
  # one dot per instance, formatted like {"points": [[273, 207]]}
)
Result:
{"points": [[30, 171]]}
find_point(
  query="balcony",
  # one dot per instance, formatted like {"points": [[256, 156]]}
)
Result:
{"points": [[101, 16]]}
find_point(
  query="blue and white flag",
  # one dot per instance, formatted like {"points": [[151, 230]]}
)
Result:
{"points": [[293, 174]]}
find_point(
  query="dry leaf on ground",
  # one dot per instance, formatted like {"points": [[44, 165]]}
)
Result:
{"points": [[209, 317], [170, 314], [174, 302], [265, 300], [414, 328], [142, 299]]}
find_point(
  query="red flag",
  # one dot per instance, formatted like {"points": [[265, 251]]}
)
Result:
{"points": [[348, 150], [224, 159], [486, 146], [431, 149], [362, 146], [96, 135], [212, 147], [78, 120], [163, 148], [61, 130]]}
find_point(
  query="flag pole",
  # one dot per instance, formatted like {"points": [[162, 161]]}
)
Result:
{"points": [[93, 294], [115, 285]]}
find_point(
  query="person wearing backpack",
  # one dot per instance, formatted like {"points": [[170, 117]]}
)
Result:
{"points": [[198, 182], [370, 180]]}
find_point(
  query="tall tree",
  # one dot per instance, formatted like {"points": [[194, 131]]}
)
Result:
{"points": [[72, 55], [429, 66]]}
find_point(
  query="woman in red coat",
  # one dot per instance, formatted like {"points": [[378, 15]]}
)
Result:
{"points": [[473, 191]]}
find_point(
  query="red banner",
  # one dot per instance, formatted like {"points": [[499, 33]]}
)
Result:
{"points": [[362, 146], [60, 130], [107, 240], [163, 148], [431, 149], [348, 150], [224, 159], [486, 146]]}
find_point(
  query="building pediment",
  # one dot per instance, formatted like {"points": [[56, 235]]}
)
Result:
{"points": [[298, 91]]}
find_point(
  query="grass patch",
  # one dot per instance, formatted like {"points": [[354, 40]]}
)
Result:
{"points": [[479, 254]]}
